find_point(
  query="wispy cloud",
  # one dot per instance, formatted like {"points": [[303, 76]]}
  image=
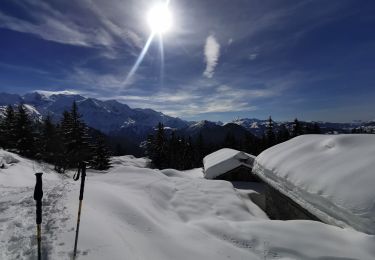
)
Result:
{"points": [[120, 31], [253, 56], [95, 81], [192, 101], [23, 68], [63, 92], [51, 24], [211, 55]]}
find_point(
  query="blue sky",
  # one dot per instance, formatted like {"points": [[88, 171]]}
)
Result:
{"points": [[222, 59]]}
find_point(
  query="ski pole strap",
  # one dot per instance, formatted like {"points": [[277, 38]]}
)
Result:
{"points": [[77, 174]]}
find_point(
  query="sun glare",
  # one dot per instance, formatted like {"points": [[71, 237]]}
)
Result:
{"points": [[160, 18]]}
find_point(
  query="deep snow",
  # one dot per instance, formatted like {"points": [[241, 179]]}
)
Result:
{"points": [[132, 212], [332, 176]]}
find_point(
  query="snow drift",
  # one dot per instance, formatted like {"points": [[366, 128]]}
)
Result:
{"points": [[333, 177], [224, 160], [133, 212]]}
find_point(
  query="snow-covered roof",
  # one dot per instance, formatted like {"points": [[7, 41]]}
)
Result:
{"points": [[333, 177], [224, 160]]}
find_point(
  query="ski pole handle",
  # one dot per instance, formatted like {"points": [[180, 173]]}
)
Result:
{"points": [[38, 195], [83, 178]]}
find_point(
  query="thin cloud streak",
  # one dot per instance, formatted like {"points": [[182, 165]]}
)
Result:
{"points": [[194, 102]]}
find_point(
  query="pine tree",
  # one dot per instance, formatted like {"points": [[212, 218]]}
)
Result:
{"points": [[75, 139], [188, 154], [64, 133], [24, 132], [149, 146], [283, 134], [119, 150], [297, 129], [270, 134], [181, 153], [230, 141], [101, 157], [200, 149], [250, 144], [159, 147], [263, 143], [316, 129], [50, 141], [173, 153], [8, 129]]}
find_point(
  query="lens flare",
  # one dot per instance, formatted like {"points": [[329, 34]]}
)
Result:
{"points": [[160, 21]]}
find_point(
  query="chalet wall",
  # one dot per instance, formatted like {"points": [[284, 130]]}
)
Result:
{"points": [[241, 173], [274, 203], [279, 206]]}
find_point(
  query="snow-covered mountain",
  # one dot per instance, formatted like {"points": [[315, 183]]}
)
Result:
{"points": [[107, 116], [258, 127], [215, 133], [255, 126]]}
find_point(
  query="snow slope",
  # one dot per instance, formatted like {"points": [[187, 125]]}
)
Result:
{"points": [[132, 212], [224, 160], [331, 176]]}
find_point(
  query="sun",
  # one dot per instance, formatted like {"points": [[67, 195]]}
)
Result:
{"points": [[160, 18]]}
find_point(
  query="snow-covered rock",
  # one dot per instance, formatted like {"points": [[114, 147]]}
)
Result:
{"points": [[224, 160], [333, 177]]}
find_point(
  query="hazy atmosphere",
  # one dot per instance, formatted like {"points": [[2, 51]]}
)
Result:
{"points": [[219, 60]]}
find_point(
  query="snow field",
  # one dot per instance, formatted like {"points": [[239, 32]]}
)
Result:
{"points": [[132, 212]]}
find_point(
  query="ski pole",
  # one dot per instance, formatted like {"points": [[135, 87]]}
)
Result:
{"points": [[81, 169], [38, 195]]}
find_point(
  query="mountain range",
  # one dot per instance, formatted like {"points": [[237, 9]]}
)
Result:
{"points": [[107, 116], [117, 119]]}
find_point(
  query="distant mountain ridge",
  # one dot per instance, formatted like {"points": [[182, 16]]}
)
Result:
{"points": [[214, 132], [258, 127], [118, 119], [107, 116]]}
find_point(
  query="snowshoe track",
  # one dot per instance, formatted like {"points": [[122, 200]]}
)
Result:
{"points": [[17, 221]]}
